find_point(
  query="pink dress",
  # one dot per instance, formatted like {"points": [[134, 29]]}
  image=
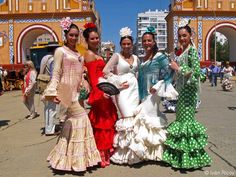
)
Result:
{"points": [[76, 148]]}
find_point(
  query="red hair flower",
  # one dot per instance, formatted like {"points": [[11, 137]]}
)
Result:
{"points": [[89, 25], [178, 51]]}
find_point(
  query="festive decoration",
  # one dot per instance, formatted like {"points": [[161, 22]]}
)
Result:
{"points": [[184, 22], [66, 23], [178, 51], [126, 31], [89, 25], [151, 29]]}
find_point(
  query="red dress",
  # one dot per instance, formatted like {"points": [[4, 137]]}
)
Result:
{"points": [[103, 112]]}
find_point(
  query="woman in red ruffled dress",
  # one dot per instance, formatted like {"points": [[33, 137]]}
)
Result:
{"points": [[103, 113]]}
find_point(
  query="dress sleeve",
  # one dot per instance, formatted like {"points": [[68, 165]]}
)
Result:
{"points": [[57, 71], [109, 68], [192, 67]]}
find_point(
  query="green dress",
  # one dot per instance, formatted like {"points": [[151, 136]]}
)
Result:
{"points": [[186, 136]]}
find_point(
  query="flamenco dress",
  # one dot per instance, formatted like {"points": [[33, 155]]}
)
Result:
{"points": [[150, 122], [76, 148], [127, 102], [186, 136], [103, 112]]}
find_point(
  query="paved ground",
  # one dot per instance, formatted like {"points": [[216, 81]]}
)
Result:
{"points": [[23, 149]]}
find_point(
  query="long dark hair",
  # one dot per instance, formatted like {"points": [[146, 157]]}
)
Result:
{"points": [[128, 37], [155, 48], [89, 30], [71, 26], [188, 29]]}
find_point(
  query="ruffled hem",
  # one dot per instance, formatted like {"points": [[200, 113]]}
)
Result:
{"points": [[178, 159], [149, 130], [147, 143], [125, 156], [186, 136], [165, 90], [188, 128], [147, 152], [76, 148], [73, 157], [150, 137], [123, 139], [125, 124]]}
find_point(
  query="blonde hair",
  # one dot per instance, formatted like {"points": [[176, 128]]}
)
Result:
{"points": [[30, 64]]}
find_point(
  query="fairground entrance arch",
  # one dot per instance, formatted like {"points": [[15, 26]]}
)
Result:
{"points": [[28, 36], [207, 16], [229, 31]]}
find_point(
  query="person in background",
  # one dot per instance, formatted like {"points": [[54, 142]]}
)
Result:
{"points": [[215, 70], [186, 136], [121, 70], [228, 70], [29, 88], [221, 72], [3, 75], [46, 67], [76, 149], [1, 79], [103, 112]]}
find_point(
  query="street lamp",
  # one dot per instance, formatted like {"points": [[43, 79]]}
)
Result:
{"points": [[215, 34], [214, 12]]}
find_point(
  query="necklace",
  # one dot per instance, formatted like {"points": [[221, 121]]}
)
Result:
{"points": [[128, 58]]}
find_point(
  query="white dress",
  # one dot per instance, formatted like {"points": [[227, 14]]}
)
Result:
{"points": [[150, 122], [118, 71]]}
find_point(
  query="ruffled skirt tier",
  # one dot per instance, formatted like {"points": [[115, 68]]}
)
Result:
{"points": [[76, 148], [186, 136], [185, 144], [122, 141]]}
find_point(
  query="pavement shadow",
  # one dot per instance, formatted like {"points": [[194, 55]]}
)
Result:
{"points": [[186, 171], [146, 163], [232, 108], [164, 164], [4, 122], [73, 173]]}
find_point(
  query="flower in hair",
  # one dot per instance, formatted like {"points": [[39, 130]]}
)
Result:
{"points": [[89, 25], [125, 32], [66, 23], [151, 29], [184, 22]]}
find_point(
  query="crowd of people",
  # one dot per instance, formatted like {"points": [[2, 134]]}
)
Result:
{"points": [[129, 127], [222, 71]]}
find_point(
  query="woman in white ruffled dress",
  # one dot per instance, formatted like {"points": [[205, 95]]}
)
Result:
{"points": [[121, 70], [154, 81]]}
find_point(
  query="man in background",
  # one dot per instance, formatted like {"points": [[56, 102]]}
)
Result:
{"points": [[215, 70], [46, 68]]}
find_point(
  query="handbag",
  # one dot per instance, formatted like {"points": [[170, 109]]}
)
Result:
{"points": [[42, 82]]}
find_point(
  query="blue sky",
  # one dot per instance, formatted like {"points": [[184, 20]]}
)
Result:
{"points": [[116, 14]]}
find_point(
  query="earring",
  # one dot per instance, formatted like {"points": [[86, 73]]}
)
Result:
{"points": [[65, 41]]}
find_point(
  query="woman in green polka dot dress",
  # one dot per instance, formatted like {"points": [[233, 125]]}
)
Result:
{"points": [[186, 136]]}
